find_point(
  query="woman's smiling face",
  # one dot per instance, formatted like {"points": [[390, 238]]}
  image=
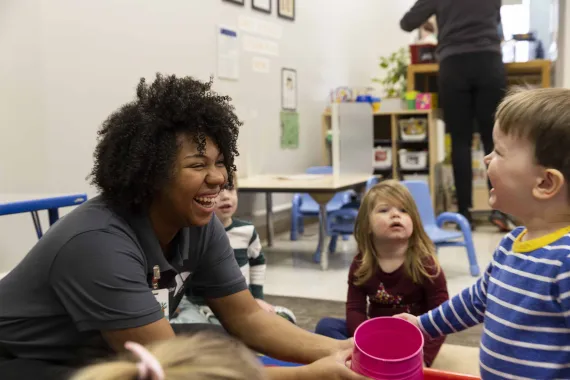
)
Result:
{"points": [[198, 177]]}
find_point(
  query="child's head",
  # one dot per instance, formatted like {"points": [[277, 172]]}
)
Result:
{"points": [[530, 165], [388, 216], [227, 203], [198, 357]]}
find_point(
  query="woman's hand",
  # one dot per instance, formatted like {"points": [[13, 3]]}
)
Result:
{"points": [[333, 367], [410, 318]]}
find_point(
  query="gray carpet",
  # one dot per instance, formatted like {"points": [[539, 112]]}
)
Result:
{"points": [[310, 311]]}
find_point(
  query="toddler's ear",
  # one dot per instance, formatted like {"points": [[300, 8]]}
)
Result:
{"points": [[549, 184]]}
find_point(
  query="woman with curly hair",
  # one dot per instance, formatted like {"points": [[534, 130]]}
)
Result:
{"points": [[93, 281]]}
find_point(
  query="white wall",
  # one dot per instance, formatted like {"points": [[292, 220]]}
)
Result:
{"points": [[540, 21], [66, 64]]}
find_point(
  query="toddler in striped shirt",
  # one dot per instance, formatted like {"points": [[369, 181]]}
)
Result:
{"points": [[523, 298]]}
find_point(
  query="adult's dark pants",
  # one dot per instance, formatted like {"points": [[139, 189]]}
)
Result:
{"points": [[25, 369], [471, 86]]}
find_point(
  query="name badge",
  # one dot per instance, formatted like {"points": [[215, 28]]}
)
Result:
{"points": [[161, 296]]}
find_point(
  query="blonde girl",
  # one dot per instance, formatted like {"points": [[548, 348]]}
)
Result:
{"points": [[204, 356], [395, 270]]}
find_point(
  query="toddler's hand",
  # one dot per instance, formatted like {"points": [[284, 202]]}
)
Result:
{"points": [[265, 306], [410, 318]]}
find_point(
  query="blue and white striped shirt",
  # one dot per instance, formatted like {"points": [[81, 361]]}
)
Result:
{"points": [[523, 299]]}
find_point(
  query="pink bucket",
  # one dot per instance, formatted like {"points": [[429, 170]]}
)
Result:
{"points": [[388, 348]]}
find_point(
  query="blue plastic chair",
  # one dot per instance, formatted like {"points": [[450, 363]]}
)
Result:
{"points": [[341, 222], [432, 225], [304, 206]]}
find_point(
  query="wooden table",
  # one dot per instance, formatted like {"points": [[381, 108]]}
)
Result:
{"points": [[320, 187]]}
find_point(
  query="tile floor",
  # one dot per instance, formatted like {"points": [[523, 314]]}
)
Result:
{"points": [[291, 271]]}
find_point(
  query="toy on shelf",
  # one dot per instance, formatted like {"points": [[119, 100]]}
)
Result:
{"points": [[423, 101], [413, 129], [341, 95], [410, 98]]}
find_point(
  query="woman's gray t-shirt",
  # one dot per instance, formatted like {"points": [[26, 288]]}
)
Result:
{"points": [[92, 271]]}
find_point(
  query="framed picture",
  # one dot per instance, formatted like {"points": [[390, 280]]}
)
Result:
{"points": [[261, 5], [286, 9], [237, 2], [288, 89]]}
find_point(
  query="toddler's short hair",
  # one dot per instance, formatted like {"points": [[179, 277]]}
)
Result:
{"points": [[542, 116]]}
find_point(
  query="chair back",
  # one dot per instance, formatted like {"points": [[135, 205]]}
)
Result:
{"points": [[371, 182], [420, 193]]}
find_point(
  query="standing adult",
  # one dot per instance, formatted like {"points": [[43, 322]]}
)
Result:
{"points": [[472, 80], [111, 270]]}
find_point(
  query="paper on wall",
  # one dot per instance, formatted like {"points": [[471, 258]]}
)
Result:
{"points": [[260, 46], [289, 130], [263, 28], [260, 64], [228, 53]]}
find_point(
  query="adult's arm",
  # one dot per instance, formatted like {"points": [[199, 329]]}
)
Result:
{"points": [[269, 333], [276, 337], [420, 12]]}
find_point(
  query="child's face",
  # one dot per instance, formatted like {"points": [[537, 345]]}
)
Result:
{"points": [[227, 204], [512, 172], [388, 222]]}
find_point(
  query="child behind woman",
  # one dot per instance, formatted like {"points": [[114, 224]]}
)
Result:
{"points": [[395, 270], [199, 357]]}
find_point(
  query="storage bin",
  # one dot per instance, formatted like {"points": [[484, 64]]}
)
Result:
{"points": [[422, 53], [382, 158], [413, 129], [412, 160]]}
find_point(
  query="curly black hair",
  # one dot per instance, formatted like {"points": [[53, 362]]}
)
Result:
{"points": [[138, 144]]}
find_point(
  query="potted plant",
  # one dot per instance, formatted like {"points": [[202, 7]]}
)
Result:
{"points": [[394, 80]]}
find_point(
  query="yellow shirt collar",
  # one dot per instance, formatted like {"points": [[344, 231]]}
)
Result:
{"points": [[534, 244]]}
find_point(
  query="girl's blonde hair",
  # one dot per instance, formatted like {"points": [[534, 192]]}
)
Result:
{"points": [[203, 356], [420, 262]]}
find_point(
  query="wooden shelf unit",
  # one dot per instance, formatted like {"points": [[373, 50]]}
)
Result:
{"points": [[423, 78], [387, 133]]}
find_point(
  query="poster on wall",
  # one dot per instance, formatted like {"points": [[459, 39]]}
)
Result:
{"points": [[289, 89], [228, 53], [289, 130], [260, 65]]}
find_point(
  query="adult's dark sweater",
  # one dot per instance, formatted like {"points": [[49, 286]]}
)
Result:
{"points": [[388, 294], [464, 26]]}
